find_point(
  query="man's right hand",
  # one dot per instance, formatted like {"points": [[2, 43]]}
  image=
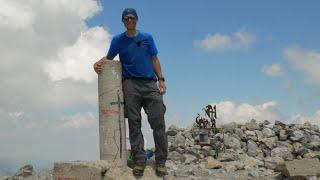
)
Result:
{"points": [[98, 65]]}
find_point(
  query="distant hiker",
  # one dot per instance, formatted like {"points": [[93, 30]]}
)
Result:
{"points": [[140, 72]]}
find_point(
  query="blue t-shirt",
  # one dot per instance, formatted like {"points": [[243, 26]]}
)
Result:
{"points": [[135, 54]]}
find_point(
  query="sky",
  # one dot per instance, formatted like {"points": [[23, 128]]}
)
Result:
{"points": [[254, 60]]}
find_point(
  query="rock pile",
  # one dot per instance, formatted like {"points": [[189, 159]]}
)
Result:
{"points": [[251, 150]]}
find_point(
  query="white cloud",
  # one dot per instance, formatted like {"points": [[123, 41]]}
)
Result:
{"points": [[43, 64], [79, 120], [272, 70], [306, 61], [38, 36], [228, 111], [15, 14], [219, 42], [75, 61], [83, 8], [300, 119], [16, 115]]}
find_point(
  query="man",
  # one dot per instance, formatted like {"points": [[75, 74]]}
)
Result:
{"points": [[140, 71]]}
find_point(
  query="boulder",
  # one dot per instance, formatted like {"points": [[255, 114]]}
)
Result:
{"points": [[274, 163], [232, 142], [211, 163], [252, 125], [252, 148], [172, 130], [282, 152], [268, 132], [296, 135]]}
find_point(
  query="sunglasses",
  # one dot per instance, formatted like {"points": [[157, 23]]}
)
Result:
{"points": [[129, 17]]}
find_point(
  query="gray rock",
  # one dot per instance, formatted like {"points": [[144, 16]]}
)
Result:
{"points": [[172, 130], [266, 151], [189, 159], [229, 127], [184, 171], [282, 152], [268, 132], [251, 135], [250, 162], [227, 157], [301, 169], [279, 123], [314, 145], [232, 142], [265, 123], [200, 172], [233, 166], [180, 150], [206, 150], [299, 149], [274, 163], [286, 144], [252, 148], [315, 138], [239, 132], [296, 135], [252, 125], [180, 140], [192, 151], [312, 154], [253, 172], [268, 126], [171, 139], [259, 135], [175, 156], [269, 142], [212, 163]]}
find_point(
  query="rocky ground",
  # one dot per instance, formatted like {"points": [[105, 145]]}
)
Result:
{"points": [[250, 151]]}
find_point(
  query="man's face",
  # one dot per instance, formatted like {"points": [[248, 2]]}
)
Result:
{"points": [[130, 22]]}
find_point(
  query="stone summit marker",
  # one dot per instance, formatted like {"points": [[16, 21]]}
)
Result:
{"points": [[112, 132], [112, 128]]}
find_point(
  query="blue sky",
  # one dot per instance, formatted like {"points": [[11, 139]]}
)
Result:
{"points": [[196, 77], [252, 59]]}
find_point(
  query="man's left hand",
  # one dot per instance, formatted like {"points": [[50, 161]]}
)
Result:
{"points": [[162, 87]]}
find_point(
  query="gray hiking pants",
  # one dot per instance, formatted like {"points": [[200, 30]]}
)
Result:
{"points": [[145, 93]]}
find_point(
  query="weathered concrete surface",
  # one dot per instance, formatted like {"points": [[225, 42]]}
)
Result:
{"points": [[80, 170], [301, 169], [112, 128], [98, 170], [125, 173]]}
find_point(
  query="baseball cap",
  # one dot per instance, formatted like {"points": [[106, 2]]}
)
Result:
{"points": [[129, 11]]}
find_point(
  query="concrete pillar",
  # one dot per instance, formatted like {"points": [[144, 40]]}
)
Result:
{"points": [[112, 128]]}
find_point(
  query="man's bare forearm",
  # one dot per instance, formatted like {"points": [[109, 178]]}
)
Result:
{"points": [[157, 66]]}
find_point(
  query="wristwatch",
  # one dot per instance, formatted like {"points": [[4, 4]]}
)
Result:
{"points": [[161, 79]]}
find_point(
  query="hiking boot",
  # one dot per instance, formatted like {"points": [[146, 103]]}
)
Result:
{"points": [[161, 170], [138, 170]]}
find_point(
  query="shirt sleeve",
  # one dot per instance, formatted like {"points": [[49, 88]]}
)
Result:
{"points": [[153, 48], [113, 50]]}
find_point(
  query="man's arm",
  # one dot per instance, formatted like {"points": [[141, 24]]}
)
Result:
{"points": [[97, 66], [157, 70]]}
